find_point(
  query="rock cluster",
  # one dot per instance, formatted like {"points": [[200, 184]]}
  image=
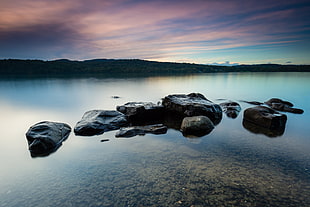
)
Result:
{"points": [[193, 114]]}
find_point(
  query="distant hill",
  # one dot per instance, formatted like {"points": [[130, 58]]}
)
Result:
{"points": [[104, 67]]}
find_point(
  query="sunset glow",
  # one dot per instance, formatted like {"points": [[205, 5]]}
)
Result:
{"points": [[197, 31]]}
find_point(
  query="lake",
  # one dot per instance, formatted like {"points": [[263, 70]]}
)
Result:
{"points": [[231, 166]]}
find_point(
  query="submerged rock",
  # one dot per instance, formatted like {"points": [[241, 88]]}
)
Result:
{"points": [[265, 117], [141, 130], [96, 122], [194, 104], [280, 105], [196, 126], [141, 110], [46, 137], [231, 109]]}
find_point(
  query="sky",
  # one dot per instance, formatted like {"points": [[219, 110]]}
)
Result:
{"points": [[192, 31]]}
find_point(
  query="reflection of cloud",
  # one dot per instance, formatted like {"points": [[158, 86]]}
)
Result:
{"points": [[145, 29]]}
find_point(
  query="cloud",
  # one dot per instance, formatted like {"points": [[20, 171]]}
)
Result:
{"points": [[226, 63], [146, 29]]}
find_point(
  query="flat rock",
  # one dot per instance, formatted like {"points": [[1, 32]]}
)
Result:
{"points": [[141, 110], [46, 137], [96, 122], [231, 109], [280, 105], [265, 117], [141, 130], [196, 126], [194, 104]]}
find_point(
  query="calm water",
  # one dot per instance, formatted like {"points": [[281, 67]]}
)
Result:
{"points": [[229, 167]]}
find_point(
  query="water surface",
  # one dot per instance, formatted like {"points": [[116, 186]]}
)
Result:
{"points": [[229, 167]]}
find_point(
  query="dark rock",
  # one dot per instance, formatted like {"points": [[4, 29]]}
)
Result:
{"points": [[141, 130], [256, 129], [280, 105], [46, 137], [194, 104], [196, 126], [231, 109], [265, 117], [96, 122], [136, 111]]}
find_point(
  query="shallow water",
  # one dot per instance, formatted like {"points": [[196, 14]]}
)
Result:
{"points": [[229, 167]]}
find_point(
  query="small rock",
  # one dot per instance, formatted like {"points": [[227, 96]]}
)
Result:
{"points": [[96, 122], [231, 109], [141, 130], [197, 126], [141, 110], [280, 105], [46, 137]]}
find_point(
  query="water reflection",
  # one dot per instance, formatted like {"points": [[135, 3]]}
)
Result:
{"points": [[256, 129]]}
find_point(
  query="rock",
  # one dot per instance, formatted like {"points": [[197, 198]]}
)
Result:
{"points": [[197, 126], [265, 117], [46, 137], [141, 130], [96, 122], [141, 110], [194, 104], [231, 109], [280, 105]]}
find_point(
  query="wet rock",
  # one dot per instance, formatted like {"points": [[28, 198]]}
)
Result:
{"points": [[96, 122], [141, 130], [194, 104], [231, 109], [256, 129], [141, 110], [196, 126], [46, 137], [265, 117], [280, 105]]}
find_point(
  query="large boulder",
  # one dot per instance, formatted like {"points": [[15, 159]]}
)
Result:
{"points": [[46, 137], [136, 111], [141, 130], [196, 126], [231, 109], [96, 122], [194, 104], [280, 105], [265, 117]]}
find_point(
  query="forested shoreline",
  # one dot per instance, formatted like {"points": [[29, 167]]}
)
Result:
{"points": [[64, 67]]}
